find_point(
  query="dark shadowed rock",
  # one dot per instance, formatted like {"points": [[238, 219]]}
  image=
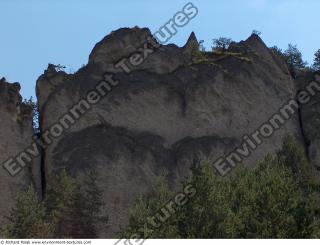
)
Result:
{"points": [[310, 114]]}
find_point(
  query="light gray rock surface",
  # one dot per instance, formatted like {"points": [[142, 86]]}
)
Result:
{"points": [[15, 135]]}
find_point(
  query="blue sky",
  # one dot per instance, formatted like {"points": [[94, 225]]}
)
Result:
{"points": [[34, 33]]}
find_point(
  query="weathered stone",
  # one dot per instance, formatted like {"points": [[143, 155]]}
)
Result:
{"points": [[15, 135], [310, 114], [162, 114]]}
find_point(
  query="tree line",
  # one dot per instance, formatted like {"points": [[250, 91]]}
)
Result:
{"points": [[68, 210], [277, 199], [292, 56]]}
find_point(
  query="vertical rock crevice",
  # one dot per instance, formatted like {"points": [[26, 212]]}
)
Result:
{"points": [[43, 172], [306, 141], [42, 153]]}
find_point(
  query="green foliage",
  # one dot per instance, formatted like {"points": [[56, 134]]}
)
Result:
{"points": [[66, 212], [60, 203], [293, 156], [221, 44], [58, 67], [261, 203], [75, 211], [316, 63], [274, 200], [256, 32], [294, 59], [28, 219], [88, 205], [278, 51], [30, 102], [142, 214]]}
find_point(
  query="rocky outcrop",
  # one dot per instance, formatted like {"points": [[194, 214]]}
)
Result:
{"points": [[15, 135], [175, 105]]}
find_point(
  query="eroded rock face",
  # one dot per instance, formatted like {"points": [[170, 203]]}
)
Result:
{"points": [[176, 105], [310, 115], [109, 53], [15, 134]]}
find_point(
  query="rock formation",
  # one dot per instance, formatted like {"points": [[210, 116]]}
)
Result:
{"points": [[16, 134], [177, 104], [153, 118], [310, 117]]}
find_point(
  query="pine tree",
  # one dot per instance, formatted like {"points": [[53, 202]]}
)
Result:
{"points": [[293, 156], [73, 212], [60, 201], [76, 208], [294, 59], [144, 219], [28, 219], [87, 216], [316, 64], [35, 110], [269, 201]]}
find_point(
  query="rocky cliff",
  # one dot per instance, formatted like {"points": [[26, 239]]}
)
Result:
{"points": [[310, 116], [133, 122], [177, 104], [16, 134]]}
